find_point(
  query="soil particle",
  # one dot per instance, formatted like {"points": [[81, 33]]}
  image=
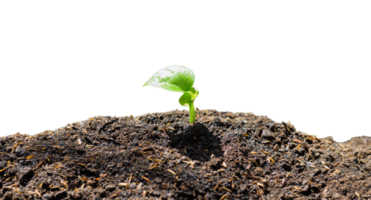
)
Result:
{"points": [[223, 155]]}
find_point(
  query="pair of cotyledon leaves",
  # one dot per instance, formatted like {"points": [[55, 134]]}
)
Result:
{"points": [[178, 79]]}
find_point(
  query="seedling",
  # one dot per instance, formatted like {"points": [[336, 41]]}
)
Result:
{"points": [[177, 78]]}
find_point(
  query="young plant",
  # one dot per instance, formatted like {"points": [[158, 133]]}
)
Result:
{"points": [[177, 78]]}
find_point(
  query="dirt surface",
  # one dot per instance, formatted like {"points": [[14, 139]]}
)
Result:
{"points": [[223, 155]]}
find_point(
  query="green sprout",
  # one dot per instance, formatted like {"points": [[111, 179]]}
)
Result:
{"points": [[177, 78]]}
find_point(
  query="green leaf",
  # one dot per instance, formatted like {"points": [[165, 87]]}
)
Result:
{"points": [[178, 79], [172, 78]]}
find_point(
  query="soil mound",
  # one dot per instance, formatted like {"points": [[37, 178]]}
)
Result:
{"points": [[223, 155]]}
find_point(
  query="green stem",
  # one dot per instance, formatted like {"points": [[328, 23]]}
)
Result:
{"points": [[191, 113]]}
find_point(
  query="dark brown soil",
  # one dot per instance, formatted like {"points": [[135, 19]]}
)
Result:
{"points": [[161, 156]]}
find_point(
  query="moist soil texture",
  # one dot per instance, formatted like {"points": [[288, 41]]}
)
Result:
{"points": [[222, 155]]}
